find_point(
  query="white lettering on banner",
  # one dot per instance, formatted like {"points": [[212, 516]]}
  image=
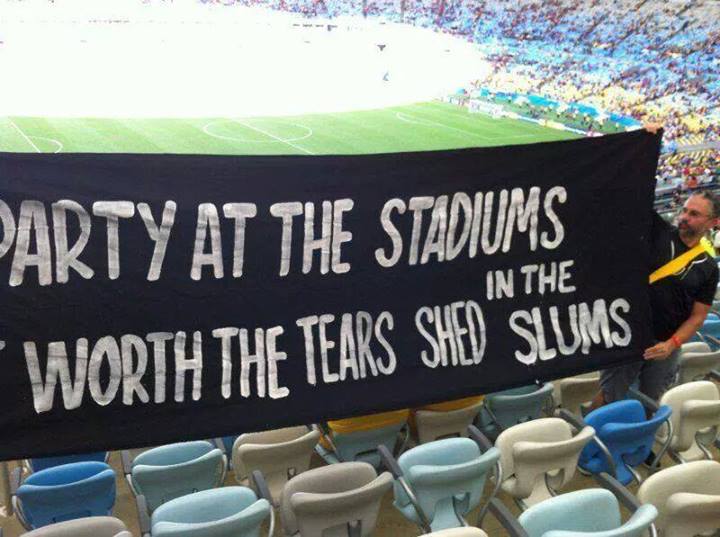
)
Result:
{"points": [[112, 211], [355, 357], [445, 330], [588, 326], [158, 234], [488, 224]]}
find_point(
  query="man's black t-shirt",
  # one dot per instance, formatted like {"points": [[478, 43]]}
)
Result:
{"points": [[672, 298]]}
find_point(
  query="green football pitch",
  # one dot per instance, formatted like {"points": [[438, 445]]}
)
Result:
{"points": [[418, 127]]}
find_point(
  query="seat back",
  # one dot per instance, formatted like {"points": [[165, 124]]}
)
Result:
{"points": [[325, 501], [96, 526], [42, 463], [695, 406], [572, 392], [433, 425], [539, 452], [227, 511], [589, 512], [447, 477], [622, 427], [687, 497], [514, 406], [70, 491], [279, 455], [361, 446], [167, 472], [697, 365]]}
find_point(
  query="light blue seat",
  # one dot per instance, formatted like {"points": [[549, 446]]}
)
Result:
{"points": [[66, 492], [222, 512], [447, 477], [167, 472], [42, 463], [502, 410], [629, 436], [361, 446], [585, 513]]}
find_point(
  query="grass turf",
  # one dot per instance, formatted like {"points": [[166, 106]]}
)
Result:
{"points": [[418, 127]]}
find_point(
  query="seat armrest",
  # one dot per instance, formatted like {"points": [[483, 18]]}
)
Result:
{"points": [[143, 515], [506, 519], [624, 496], [126, 461], [479, 438], [389, 462], [260, 486], [645, 400], [573, 419]]}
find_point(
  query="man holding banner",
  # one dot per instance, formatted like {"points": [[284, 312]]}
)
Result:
{"points": [[682, 288]]}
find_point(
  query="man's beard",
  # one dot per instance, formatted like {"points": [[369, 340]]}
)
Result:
{"points": [[686, 232]]}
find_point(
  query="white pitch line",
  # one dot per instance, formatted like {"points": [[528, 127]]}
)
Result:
{"points": [[27, 139], [273, 136], [424, 121]]}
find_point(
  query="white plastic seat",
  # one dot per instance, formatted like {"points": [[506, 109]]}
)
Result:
{"points": [[570, 393], [279, 455], [696, 365], [96, 526], [687, 497], [538, 456], [695, 419], [330, 500], [432, 425]]}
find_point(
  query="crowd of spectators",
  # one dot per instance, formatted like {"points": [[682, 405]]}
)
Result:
{"points": [[654, 60]]}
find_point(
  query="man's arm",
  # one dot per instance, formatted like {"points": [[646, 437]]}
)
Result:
{"points": [[692, 324]]}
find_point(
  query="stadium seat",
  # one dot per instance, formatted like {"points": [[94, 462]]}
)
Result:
{"points": [[695, 365], [357, 439], [585, 513], [507, 408], [340, 500], [695, 419], [436, 422], [539, 457], [66, 492], [687, 497], [42, 463], [437, 484], [279, 455], [167, 472], [622, 427], [96, 526], [221, 512], [572, 392]]}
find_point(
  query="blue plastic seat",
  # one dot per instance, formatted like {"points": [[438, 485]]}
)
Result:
{"points": [[222, 512], [447, 477], [66, 492], [585, 513], [42, 463], [623, 427], [502, 410], [167, 472]]}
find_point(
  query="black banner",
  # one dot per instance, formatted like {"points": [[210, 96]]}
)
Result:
{"points": [[153, 298]]}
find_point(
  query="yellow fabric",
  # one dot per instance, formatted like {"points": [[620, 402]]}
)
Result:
{"points": [[683, 260], [457, 404], [365, 423]]}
